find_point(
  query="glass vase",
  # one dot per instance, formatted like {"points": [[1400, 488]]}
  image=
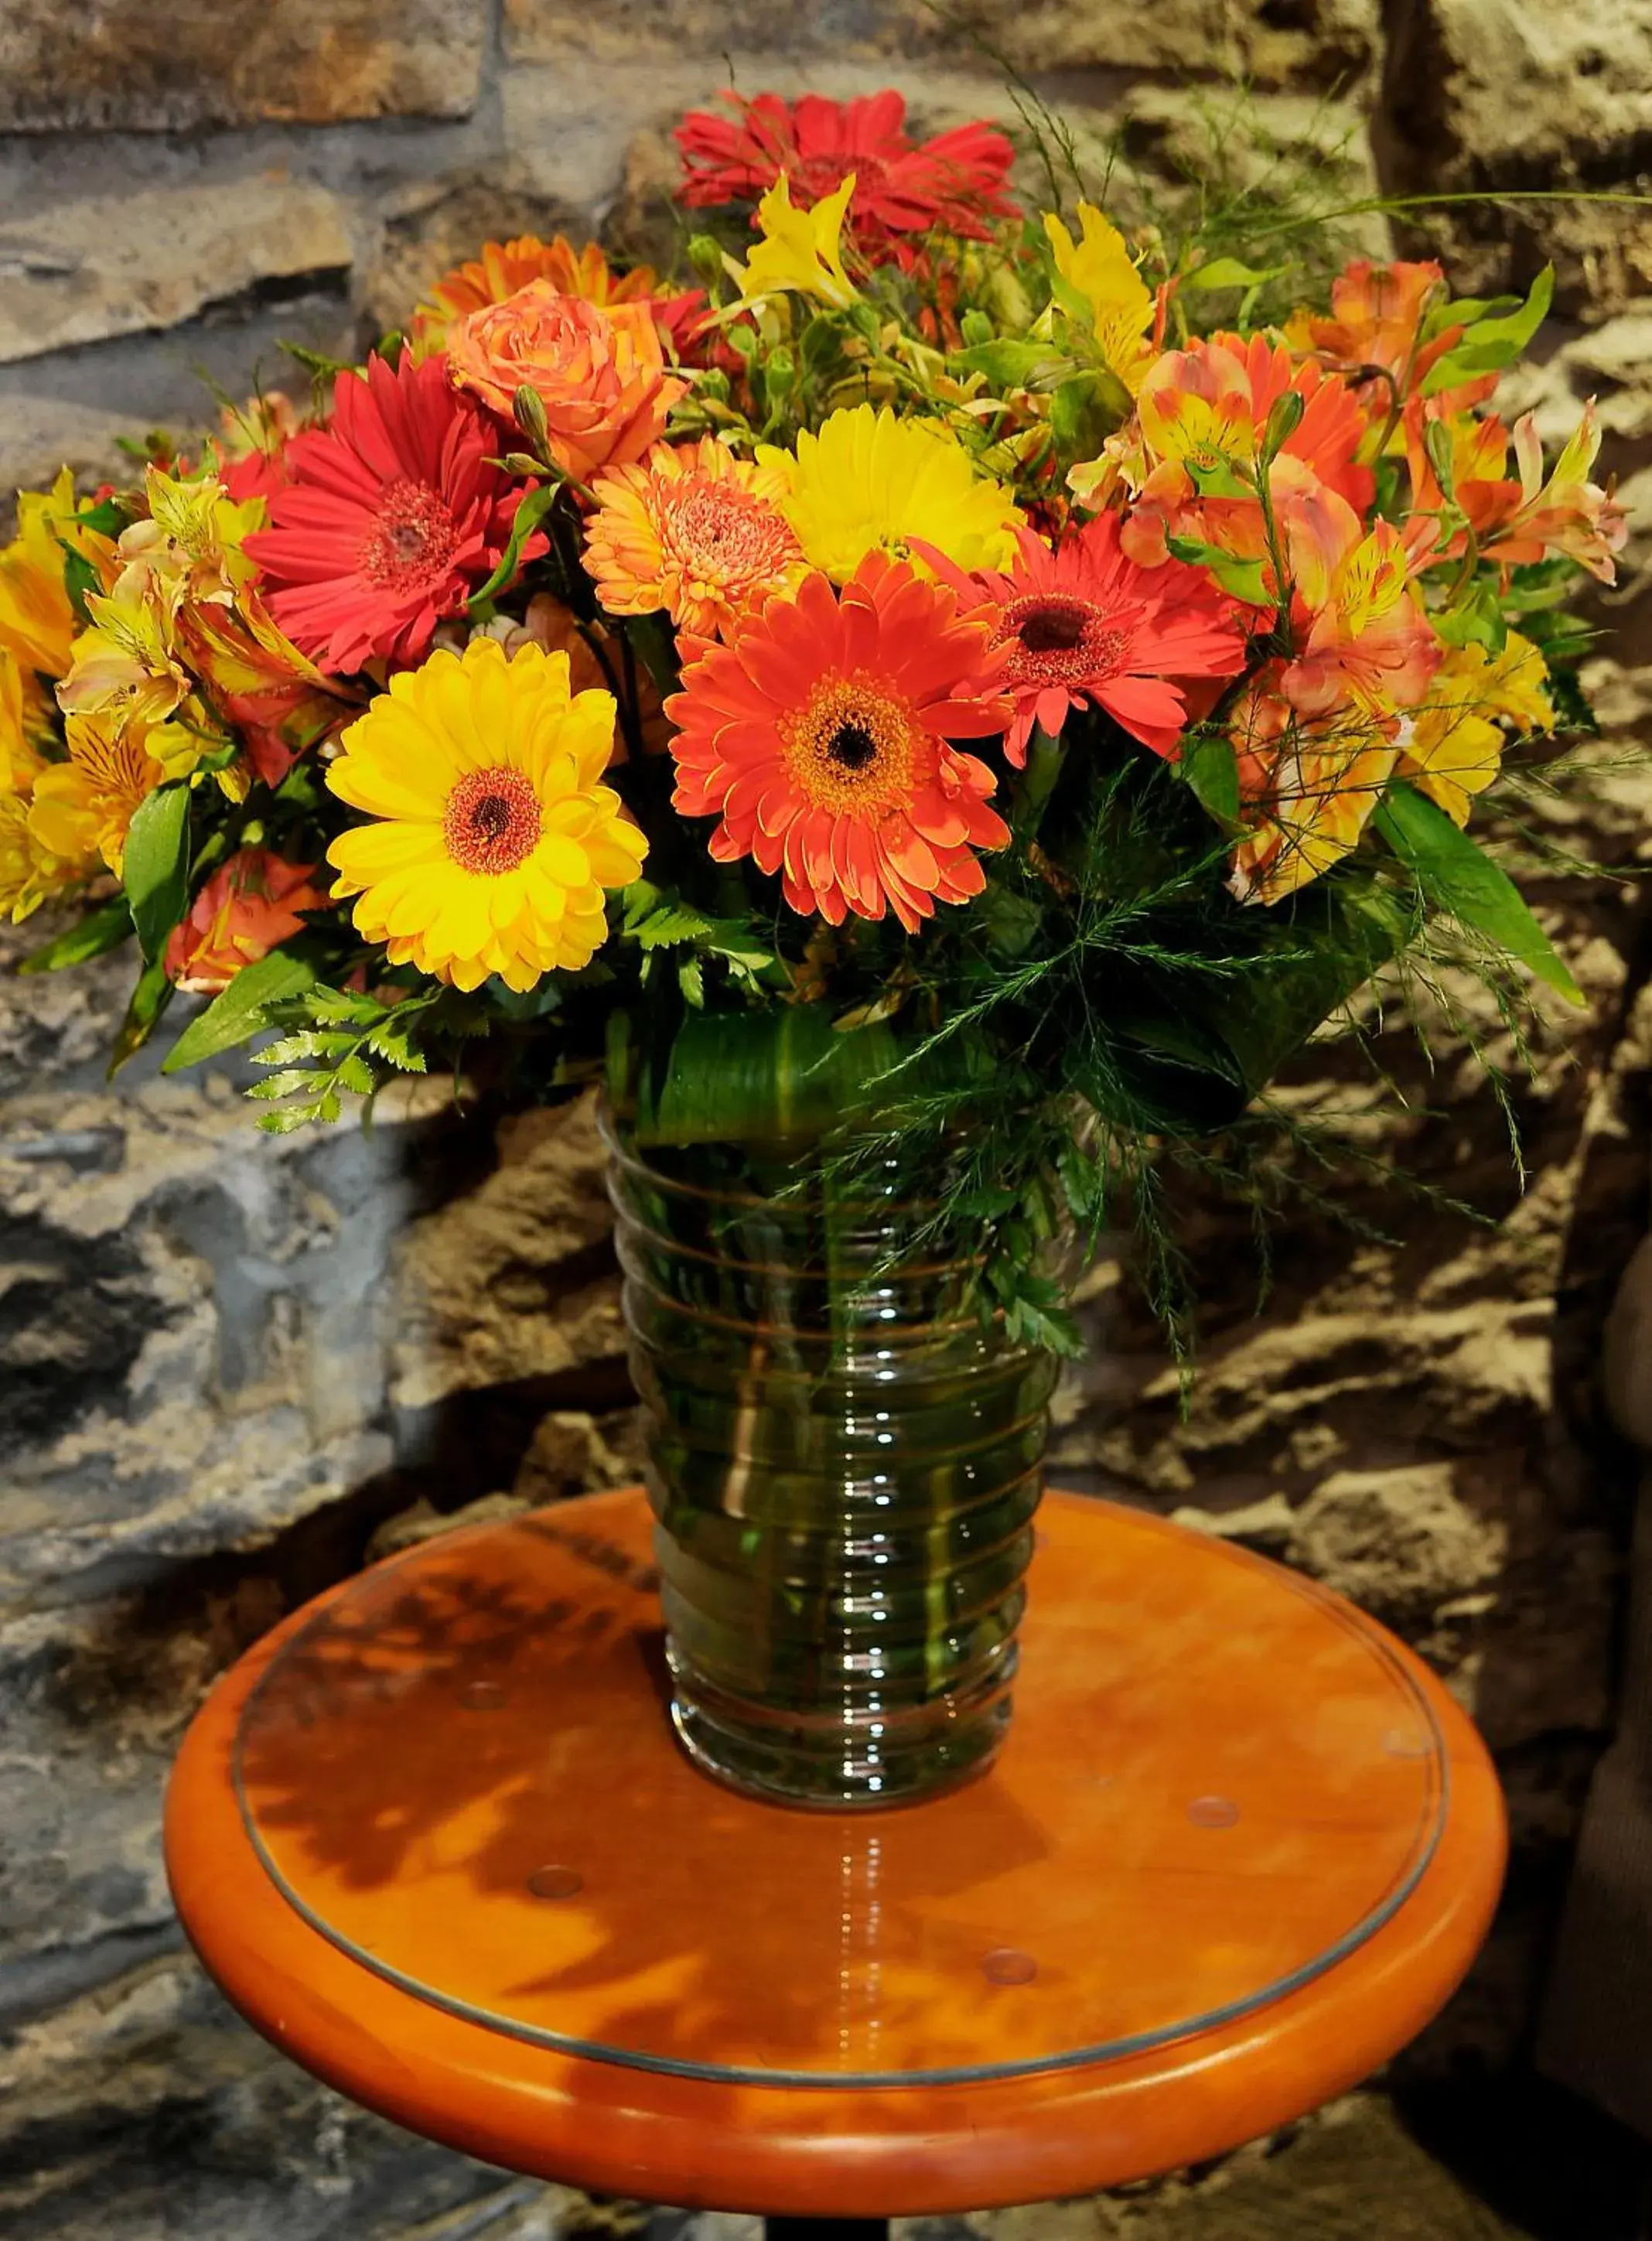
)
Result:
{"points": [[843, 1463]]}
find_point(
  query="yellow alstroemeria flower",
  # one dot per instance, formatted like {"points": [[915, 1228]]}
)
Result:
{"points": [[801, 250], [36, 622], [125, 665], [1453, 747], [1307, 786], [1100, 267], [29, 874], [83, 808], [19, 762], [194, 532]]}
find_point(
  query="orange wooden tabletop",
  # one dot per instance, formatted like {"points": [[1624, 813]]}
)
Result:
{"points": [[434, 1838]]}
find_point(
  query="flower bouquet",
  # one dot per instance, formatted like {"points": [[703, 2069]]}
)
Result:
{"points": [[930, 713]]}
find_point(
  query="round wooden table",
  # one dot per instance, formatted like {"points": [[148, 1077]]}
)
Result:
{"points": [[434, 1837]]}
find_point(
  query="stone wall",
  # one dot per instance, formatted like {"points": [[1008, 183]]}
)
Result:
{"points": [[231, 1361]]}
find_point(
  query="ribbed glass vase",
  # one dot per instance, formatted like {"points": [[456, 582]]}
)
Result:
{"points": [[843, 1465]]}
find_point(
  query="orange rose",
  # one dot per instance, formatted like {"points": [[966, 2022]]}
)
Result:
{"points": [[248, 906], [599, 372]]}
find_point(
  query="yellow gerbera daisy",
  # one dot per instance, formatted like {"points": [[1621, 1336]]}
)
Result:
{"points": [[497, 838], [694, 530], [869, 479]]}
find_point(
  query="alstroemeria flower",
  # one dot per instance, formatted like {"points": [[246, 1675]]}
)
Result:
{"points": [[1451, 747], [801, 250], [1308, 786], [1362, 636], [1203, 413], [1122, 308]]}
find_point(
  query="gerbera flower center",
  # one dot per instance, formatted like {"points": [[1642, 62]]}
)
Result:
{"points": [[723, 534], [817, 176], [1058, 638], [850, 747], [412, 538], [492, 821]]}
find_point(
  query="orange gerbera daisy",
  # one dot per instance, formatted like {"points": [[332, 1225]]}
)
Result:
{"points": [[819, 736], [695, 531], [505, 267]]}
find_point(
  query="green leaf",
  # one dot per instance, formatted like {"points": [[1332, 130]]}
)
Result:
{"points": [[654, 642], [395, 1046], [1491, 343], [1211, 769], [771, 1076], [1244, 578], [1459, 878], [289, 1118], [309, 1043], [237, 1013], [528, 516], [674, 923], [149, 999], [157, 874], [1010, 364], [80, 578], [107, 519], [101, 929], [316, 362], [1218, 478], [1228, 272], [355, 1074], [1085, 411], [291, 1082]]}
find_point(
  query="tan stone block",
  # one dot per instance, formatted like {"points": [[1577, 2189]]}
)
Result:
{"points": [[40, 434], [84, 271], [1494, 96], [1326, 41], [133, 66], [1397, 1541], [443, 223]]}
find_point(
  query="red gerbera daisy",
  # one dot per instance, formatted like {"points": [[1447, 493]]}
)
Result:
{"points": [[1083, 623], [819, 735], [954, 180], [391, 516]]}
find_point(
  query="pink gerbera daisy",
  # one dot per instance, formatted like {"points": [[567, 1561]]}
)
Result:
{"points": [[819, 736], [391, 517], [954, 180], [1083, 623]]}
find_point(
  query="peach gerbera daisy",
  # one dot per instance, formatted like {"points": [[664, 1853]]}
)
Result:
{"points": [[695, 531], [820, 738]]}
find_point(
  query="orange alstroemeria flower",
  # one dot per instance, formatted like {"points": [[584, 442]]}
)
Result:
{"points": [[1376, 323], [1362, 636], [1520, 518], [1202, 414], [249, 907], [1306, 785]]}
